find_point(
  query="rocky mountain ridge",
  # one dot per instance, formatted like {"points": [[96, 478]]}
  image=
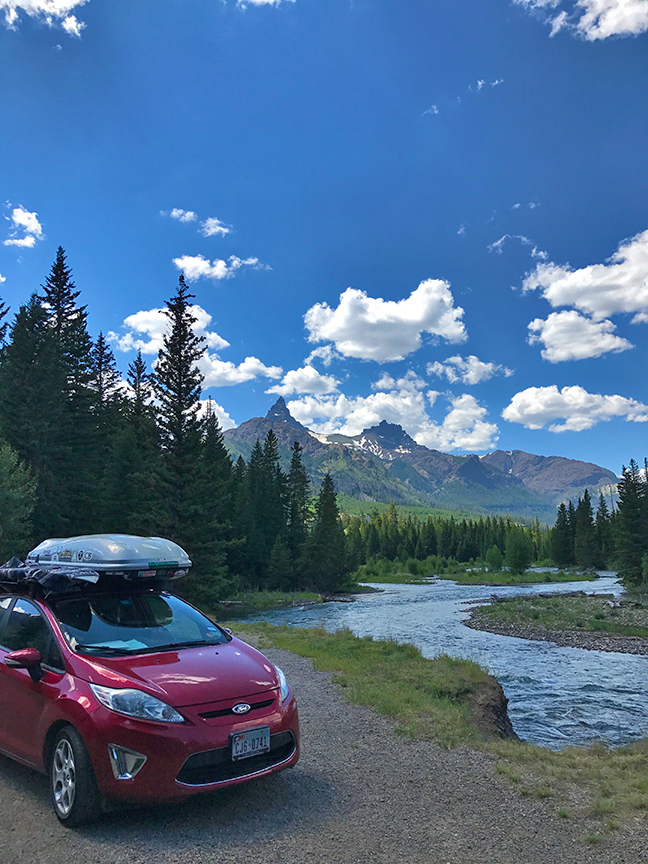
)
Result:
{"points": [[384, 463]]}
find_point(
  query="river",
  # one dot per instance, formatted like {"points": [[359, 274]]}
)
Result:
{"points": [[557, 696]]}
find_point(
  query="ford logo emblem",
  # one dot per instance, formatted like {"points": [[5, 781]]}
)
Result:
{"points": [[241, 708]]}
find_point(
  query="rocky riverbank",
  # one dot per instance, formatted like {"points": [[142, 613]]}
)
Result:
{"points": [[564, 638]]}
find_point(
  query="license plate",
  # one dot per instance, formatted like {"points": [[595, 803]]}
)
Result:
{"points": [[250, 743]]}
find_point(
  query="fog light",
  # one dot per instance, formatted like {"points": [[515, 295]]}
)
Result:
{"points": [[125, 763]]}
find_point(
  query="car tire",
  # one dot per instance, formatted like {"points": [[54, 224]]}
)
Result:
{"points": [[75, 796]]}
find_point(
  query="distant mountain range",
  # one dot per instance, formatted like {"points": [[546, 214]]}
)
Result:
{"points": [[384, 463]]}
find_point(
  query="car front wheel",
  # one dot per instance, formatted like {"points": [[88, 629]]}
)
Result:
{"points": [[75, 796]]}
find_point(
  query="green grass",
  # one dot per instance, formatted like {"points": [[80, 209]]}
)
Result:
{"points": [[586, 614], [428, 699], [479, 577]]}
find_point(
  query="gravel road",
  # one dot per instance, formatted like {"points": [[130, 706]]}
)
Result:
{"points": [[359, 794]]}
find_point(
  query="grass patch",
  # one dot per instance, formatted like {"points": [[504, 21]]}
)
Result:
{"points": [[428, 699], [586, 614], [615, 780], [415, 572]]}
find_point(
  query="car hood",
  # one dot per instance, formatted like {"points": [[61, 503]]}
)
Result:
{"points": [[186, 676]]}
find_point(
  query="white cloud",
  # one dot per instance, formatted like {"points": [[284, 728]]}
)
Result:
{"points": [[2, 278], [219, 373], [498, 245], [431, 110], [305, 380], [375, 329], [213, 227], [50, 12], [462, 229], [535, 407], [152, 324], [497, 82], [223, 417], [182, 215], [243, 3], [26, 224], [469, 370], [409, 382], [600, 290], [570, 336], [326, 354], [593, 19], [402, 402], [197, 266]]}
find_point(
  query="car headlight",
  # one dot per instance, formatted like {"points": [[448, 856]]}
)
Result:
{"points": [[136, 703], [283, 684]]}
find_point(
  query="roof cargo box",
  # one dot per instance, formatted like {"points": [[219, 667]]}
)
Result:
{"points": [[118, 554]]}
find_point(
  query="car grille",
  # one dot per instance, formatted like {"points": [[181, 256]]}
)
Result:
{"points": [[216, 766], [209, 715]]}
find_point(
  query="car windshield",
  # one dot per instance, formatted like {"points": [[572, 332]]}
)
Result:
{"points": [[133, 623]]}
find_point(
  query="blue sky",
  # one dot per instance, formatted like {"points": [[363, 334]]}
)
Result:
{"points": [[432, 213]]}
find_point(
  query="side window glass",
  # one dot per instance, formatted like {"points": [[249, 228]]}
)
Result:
{"points": [[25, 628], [5, 603], [53, 658]]}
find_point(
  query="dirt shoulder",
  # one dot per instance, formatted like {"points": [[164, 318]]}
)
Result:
{"points": [[360, 793]]}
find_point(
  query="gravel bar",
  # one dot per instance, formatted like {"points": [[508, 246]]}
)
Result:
{"points": [[361, 794]]}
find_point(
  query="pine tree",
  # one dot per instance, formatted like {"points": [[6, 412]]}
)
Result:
{"points": [[132, 484], [4, 325], [586, 549], [562, 549], [17, 502], [324, 560], [178, 385], [604, 531], [33, 415], [298, 497], [631, 523], [519, 549]]}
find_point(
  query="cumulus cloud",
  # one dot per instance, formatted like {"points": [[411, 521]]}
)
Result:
{"points": [[410, 381], [25, 228], [219, 373], [592, 19], [182, 215], [326, 354], [400, 401], [570, 336], [213, 227], [51, 12], [536, 407], [375, 329], [305, 380], [468, 370], [198, 267], [599, 290], [2, 278], [146, 329]]}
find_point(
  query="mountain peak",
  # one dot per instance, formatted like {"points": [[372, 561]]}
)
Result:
{"points": [[280, 413], [390, 436]]}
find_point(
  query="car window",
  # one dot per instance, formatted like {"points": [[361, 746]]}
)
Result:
{"points": [[134, 623], [25, 628]]}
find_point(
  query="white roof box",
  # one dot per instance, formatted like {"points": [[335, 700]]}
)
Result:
{"points": [[120, 554]]}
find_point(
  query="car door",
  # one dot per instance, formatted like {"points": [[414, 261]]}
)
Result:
{"points": [[23, 700]]}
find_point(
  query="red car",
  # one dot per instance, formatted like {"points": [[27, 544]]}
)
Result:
{"points": [[122, 692]]}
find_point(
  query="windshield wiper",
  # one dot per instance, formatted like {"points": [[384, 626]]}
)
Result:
{"points": [[105, 649], [173, 645]]}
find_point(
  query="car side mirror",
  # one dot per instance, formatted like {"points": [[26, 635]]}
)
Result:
{"points": [[26, 658]]}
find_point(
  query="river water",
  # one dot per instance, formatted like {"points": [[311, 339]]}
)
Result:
{"points": [[557, 696]]}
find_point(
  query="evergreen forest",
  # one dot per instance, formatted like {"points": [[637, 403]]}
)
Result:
{"points": [[85, 450]]}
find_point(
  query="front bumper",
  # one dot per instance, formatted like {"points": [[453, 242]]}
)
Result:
{"points": [[183, 759]]}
